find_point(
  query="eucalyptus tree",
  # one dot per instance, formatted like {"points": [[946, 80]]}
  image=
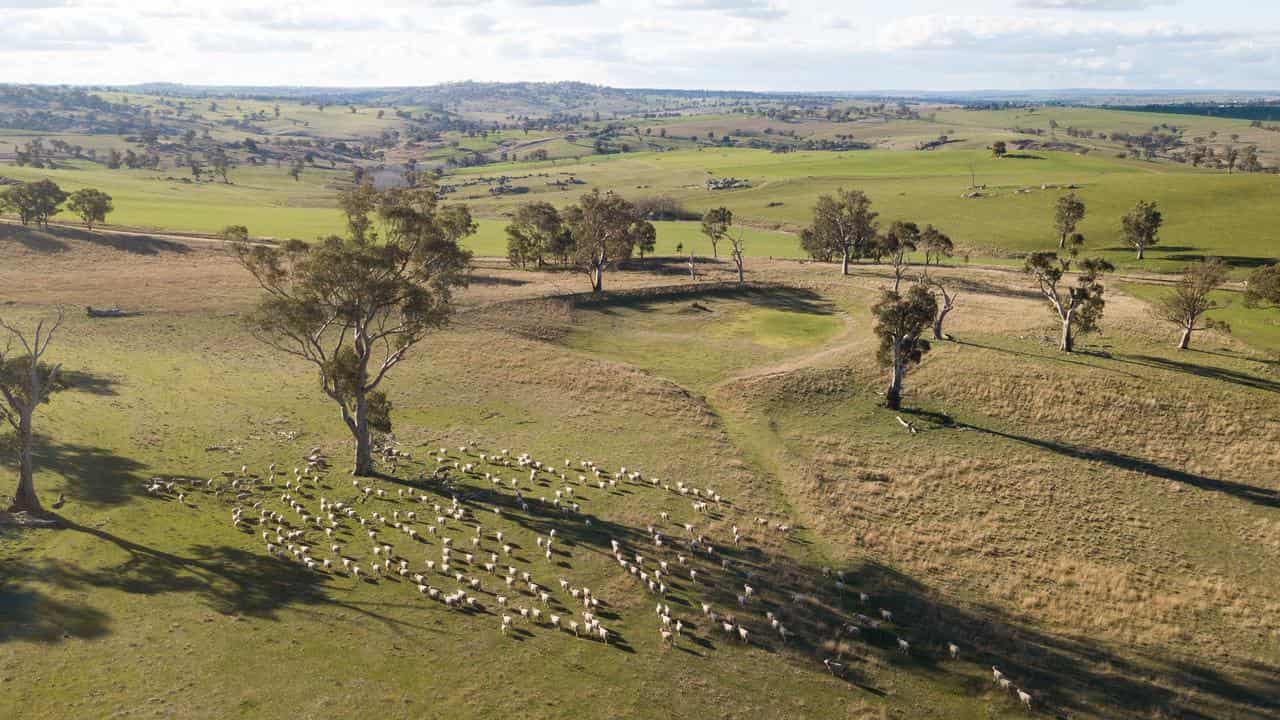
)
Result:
{"points": [[355, 307]]}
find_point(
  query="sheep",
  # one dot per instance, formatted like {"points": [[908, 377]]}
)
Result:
{"points": [[995, 673], [904, 647], [834, 667], [1005, 683], [742, 633], [573, 625], [604, 634], [1025, 697], [887, 615], [954, 649], [506, 624], [555, 621]]}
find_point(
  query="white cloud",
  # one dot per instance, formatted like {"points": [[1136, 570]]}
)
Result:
{"points": [[1093, 5], [479, 24], [48, 31], [756, 9], [233, 42]]}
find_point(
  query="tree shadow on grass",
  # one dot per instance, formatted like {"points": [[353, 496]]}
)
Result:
{"points": [[1067, 675], [54, 240], [1235, 377], [229, 580], [774, 296], [32, 239], [1265, 497], [93, 475]]}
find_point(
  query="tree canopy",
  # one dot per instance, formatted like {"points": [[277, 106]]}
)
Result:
{"points": [[535, 231], [1068, 213], [899, 322], [355, 307], [605, 229], [1141, 226], [1263, 287], [35, 201], [91, 205], [715, 225], [1079, 305], [843, 224], [1190, 298]]}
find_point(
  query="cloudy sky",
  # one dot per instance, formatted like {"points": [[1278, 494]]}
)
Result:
{"points": [[721, 44]]}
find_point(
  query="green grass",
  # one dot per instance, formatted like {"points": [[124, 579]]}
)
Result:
{"points": [[703, 341], [1257, 327], [1206, 213]]}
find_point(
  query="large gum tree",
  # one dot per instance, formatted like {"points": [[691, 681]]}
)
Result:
{"points": [[354, 307]]}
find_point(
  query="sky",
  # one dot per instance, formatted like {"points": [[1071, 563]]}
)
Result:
{"points": [[800, 45]]}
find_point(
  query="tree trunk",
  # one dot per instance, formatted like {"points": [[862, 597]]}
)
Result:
{"points": [[893, 398], [1066, 344], [844, 263], [25, 499], [937, 322], [364, 447], [597, 278], [1140, 249], [1185, 342], [715, 250], [741, 278], [1062, 241]]}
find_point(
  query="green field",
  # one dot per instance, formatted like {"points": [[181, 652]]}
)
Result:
{"points": [[1206, 213], [1101, 526]]}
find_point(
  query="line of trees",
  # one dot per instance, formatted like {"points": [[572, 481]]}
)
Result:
{"points": [[38, 201], [592, 235]]}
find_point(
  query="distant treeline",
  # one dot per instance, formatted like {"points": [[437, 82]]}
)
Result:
{"points": [[1241, 111]]}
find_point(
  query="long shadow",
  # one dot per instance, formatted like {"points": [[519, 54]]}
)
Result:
{"points": [[1234, 377], [1063, 358], [780, 297], [87, 382], [54, 240], [1250, 493], [480, 279], [228, 579], [32, 239], [1238, 261], [1067, 675], [93, 475]]}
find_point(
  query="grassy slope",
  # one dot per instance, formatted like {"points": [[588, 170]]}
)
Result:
{"points": [[194, 617]]}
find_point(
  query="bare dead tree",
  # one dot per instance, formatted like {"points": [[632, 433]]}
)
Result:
{"points": [[947, 304], [737, 245], [26, 381]]}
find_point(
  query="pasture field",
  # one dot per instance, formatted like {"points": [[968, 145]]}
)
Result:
{"points": [[1206, 213], [1101, 526]]}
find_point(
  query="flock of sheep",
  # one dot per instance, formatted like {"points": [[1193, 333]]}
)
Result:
{"points": [[456, 552]]}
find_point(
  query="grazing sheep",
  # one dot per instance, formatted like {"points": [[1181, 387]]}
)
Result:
{"points": [[954, 649]]}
